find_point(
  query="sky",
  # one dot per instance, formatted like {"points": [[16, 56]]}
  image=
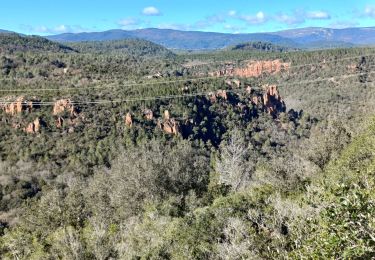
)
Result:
{"points": [[45, 17]]}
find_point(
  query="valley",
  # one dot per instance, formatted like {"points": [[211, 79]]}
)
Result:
{"points": [[124, 149]]}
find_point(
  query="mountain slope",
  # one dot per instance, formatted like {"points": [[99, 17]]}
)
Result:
{"points": [[175, 39], [134, 47], [5, 31], [10, 42], [359, 36], [194, 40], [259, 47]]}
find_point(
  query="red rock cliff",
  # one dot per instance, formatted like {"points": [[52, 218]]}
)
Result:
{"points": [[19, 105], [272, 100], [34, 127], [63, 105], [254, 69]]}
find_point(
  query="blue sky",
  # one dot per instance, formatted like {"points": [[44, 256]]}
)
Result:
{"points": [[235, 16]]}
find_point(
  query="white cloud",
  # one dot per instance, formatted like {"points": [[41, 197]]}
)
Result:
{"points": [[132, 23], [232, 13], [233, 28], [198, 25], [259, 18], [370, 11], [209, 21], [294, 19], [41, 29], [343, 24], [175, 26], [318, 15], [62, 28], [129, 22], [151, 11], [300, 16]]}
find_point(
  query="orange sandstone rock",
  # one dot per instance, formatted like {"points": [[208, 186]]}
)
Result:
{"points": [[128, 120], [149, 115], [34, 127], [63, 105], [272, 100]]}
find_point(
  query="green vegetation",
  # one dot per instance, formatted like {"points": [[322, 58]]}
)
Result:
{"points": [[12, 42], [242, 178], [260, 46]]}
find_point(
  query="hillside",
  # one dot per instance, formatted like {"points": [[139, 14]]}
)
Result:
{"points": [[260, 46], [194, 40], [360, 36], [133, 47], [5, 31], [121, 149], [174, 39], [11, 42]]}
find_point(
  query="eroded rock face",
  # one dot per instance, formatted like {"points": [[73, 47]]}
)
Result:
{"points": [[170, 126], [254, 69], [249, 90], [34, 127], [63, 105], [219, 94], [167, 116], [128, 120], [59, 122], [257, 100], [227, 70], [148, 114], [21, 104], [257, 68], [272, 100]]}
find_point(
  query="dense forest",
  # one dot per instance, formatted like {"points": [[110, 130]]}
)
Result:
{"points": [[126, 150]]}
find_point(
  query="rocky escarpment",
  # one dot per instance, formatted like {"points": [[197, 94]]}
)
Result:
{"points": [[65, 105], [273, 101], [253, 69], [34, 127], [169, 126], [67, 115], [220, 94], [250, 104], [13, 106], [128, 120]]}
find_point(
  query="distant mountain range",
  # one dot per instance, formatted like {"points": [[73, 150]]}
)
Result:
{"points": [[5, 31], [313, 37]]}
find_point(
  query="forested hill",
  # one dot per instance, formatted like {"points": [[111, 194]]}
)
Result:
{"points": [[196, 40], [261, 47], [122, 150], [174, 39], [12, 42], [134, 47]]}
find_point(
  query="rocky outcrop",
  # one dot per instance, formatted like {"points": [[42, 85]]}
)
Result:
{"points": [[19, 105], [249, 90], [233, 83], [128, 120], [148, 114], [59, 122], [272, 100], [253, 69], [219, 94], [167, 116], [170, 126], [222, 94], [257, 68], [34, 127], [256, 100], [226, 71], [64, 105]]}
